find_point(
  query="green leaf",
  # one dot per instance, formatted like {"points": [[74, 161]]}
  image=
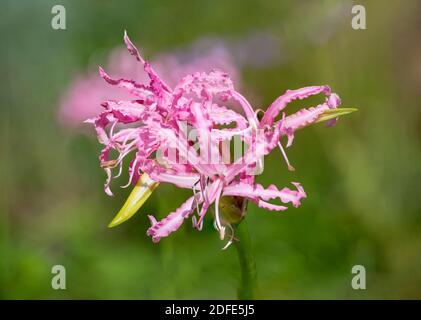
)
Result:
{"points": [[334, 113], [140, 193]]}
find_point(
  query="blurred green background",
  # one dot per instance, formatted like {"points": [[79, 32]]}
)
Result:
{"points": [[362, 177]]}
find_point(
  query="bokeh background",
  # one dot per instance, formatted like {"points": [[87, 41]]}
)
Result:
{"points": [[362, 177]]}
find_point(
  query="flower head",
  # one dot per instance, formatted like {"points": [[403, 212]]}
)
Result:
{"points": [[182, 134]]}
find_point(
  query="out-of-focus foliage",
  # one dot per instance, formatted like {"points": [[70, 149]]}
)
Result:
{"points": [[362, 177]]}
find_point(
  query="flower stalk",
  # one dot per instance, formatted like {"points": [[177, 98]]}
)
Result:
{"points": [[248, 280], [234, 210]]}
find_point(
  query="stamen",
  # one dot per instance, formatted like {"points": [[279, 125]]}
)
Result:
{"points": [[203, 184], [128, 148], [200, 226], [131, 175], [222, 233], [120, 170], [231, 240], [290, 167], [194, 222], [112, 128], [217, 218], [228, 244], [220, 229], [128, 137], [202, 214], [195, 200]]}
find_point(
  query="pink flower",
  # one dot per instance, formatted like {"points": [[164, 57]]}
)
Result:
{"points": [[157, 127]]}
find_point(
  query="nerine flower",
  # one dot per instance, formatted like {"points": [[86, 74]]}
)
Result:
{"points": [[180, 135]]}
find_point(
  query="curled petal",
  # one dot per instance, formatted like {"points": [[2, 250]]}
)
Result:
{"points": [[187, 181], [108, 182], [220, 115], [209, 151], [214, 82], [270, 206], [170, 223], [156, 82], [302, 118], [257, 191], [210, 194], [259, 147], [171, 139], [125, 111], [247, 108], [132, 86], [299, 120], [279, 104], [100, 123]]}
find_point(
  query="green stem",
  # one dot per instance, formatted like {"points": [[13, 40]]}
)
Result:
{"points": [[248, 282]]}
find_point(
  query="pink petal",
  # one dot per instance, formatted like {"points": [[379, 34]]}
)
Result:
{"points": [[187, 181], [257, 191], [215, 83], [270, 206], [170, 223], [221, 115], [305, 117], [156, 82], [132, 86], [290, 95]]}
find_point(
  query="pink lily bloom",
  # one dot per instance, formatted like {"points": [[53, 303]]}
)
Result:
{"points": [[156, 129]]}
